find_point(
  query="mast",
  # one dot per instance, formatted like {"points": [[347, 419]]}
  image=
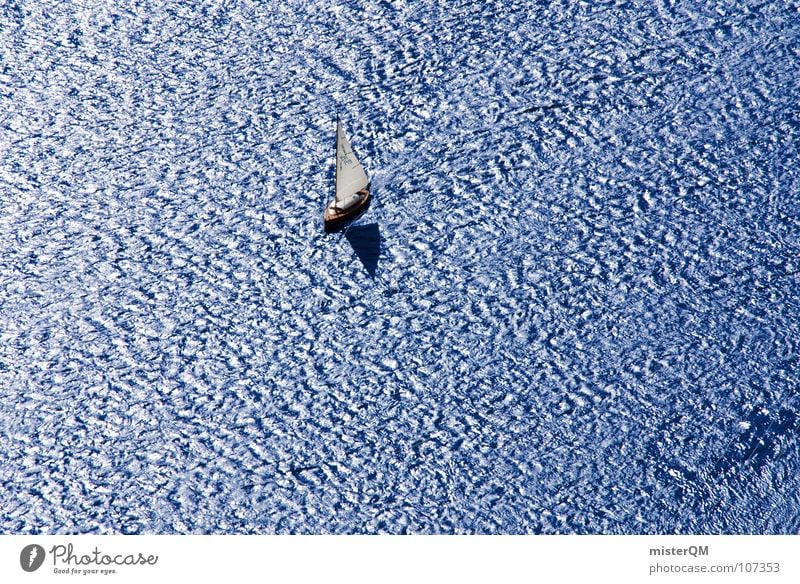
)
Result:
{"points": [[336, 158]]}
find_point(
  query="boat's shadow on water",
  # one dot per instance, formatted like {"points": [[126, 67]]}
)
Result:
{"points": [[366, 242]]}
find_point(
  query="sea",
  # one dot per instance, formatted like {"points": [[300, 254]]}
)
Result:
{"points": [[573, 306]]}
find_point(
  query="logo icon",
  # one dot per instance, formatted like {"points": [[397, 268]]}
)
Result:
{"points": [[31, 557]]}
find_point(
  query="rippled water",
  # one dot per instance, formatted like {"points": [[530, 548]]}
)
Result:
{"points": [[572, 307]]}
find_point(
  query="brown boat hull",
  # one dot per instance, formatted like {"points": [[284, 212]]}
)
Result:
{"points": [[336, 220]]}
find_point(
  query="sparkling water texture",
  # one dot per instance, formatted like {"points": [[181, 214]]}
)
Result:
{"points": [[571, 308]]}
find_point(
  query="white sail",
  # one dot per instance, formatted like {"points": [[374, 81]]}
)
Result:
{"points": [[350, 175]]}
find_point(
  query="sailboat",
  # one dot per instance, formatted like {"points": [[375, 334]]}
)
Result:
{"points": [[352, 186]]}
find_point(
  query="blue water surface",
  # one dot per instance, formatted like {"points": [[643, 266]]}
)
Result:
{"points": [[573, 306]]}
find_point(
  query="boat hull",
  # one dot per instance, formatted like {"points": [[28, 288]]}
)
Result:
{"points": [[336, 219]]}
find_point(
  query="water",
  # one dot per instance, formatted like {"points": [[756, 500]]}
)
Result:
{"points": [[572, 307]]}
